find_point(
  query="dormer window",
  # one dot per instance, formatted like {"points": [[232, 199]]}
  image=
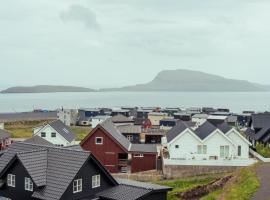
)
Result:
{"points": [[77, 185], [11, 180], [99, 140], [28, 184]]}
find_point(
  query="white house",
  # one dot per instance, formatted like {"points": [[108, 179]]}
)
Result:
{"points": [[199, 119], [56, 132], [2, 125], [206, 145], [68, 116]]}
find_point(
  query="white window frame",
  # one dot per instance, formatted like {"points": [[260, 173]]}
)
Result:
{"points": [[138, 155], [96, 181], [11, 180], [44, 134], [224, 151], [53, 133], [77, 186], [97, 139], [28, 184], [130, 138], [202, 149]]}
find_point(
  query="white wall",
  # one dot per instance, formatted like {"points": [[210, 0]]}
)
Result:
{"points": [[58, 140], [199, 121], [2, 125], [237, 140]]}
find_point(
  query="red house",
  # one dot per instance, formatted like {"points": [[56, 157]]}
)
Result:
{"points": [[116, 152], [5, 140]]}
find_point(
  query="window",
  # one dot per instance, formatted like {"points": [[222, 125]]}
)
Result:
{"points": [[177, 146], [11, 180], [43, 134], [77, 186], [53, 135], [28, 184], [95, 181], [239, 151], [202, 149], [138, 155], [99, 140], [224, 151], [130, 138]]}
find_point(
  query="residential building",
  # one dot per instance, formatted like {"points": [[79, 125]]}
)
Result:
{"points": [[217, 119], [68, 116], [85, 115], [207, 145], [5, 139], [98, 119], [142, 116], [40, 172], [124, 112], [184, 116], [155, 118], [131, 132], [152, 135], [259, 129], [2, 125], [120, 119], [56, 132], [199, 119], [116, 152], [167, 123]]}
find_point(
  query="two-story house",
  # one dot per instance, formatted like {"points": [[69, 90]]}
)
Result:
{"points": [[56, 132], [40, 172]]}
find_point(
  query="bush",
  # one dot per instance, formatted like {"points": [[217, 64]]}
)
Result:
{"points": [[263, 150]]}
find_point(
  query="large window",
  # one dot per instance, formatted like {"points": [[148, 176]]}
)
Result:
{"points": [[95, 181], [224, 151], [99, 140], [77, 186], [202, 149], [11, 180], [28, 184]]}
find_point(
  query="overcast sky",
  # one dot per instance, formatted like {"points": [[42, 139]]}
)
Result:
{"points": [[108, 43]]}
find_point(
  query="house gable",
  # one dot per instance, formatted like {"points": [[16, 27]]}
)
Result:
{"points": [[234, 131], [186, 131], [217, 131]]}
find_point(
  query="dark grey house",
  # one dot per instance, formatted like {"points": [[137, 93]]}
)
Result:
{"points": [[35, 172]]}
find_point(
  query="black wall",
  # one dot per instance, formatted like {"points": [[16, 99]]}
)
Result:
{"points": [[156, 196], [17, 193], [86, 173]]}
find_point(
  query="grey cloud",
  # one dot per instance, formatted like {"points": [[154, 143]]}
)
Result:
{"points": [[81, 14]]}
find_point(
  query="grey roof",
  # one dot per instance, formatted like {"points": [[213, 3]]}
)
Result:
{"points": [[115, 133], [123, 141], [170, 120], [4, 134], [120, 118], [131, 190], [205, 130], [200, 116], [146, 148], [63, 130], [54, 166], [130, 128], [176, 130], [232, 119], [224, 127], [38, 140]]}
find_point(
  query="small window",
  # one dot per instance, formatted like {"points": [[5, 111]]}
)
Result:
{"points": [[77, 186], [138, 155], [130, 138], [239, 151], [95, 181], [177, 146], [99, 140], [43, 134], [53, 135], [28, 184], [11, 179]]}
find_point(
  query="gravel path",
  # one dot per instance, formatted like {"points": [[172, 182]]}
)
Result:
{"points": [[263, 192]]}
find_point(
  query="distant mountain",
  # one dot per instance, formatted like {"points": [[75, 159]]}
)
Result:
{"points": [[187, 80], [46, 89]]}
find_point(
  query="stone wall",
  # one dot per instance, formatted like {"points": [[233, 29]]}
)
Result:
{"points": [[181, 171]]}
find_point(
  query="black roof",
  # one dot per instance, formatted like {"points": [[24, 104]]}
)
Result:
{"points": [[224, 127], [176, 130], [53, 168], [38, 140], [4, 134], [260, 120], [131, 190], [205, 130]]}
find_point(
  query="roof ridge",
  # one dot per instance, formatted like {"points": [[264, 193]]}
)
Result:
{"points": [[32, 151]]}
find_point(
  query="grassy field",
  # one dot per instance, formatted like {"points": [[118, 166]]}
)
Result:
{"points": [[25, 129], [213, 196], [182, 185], [243, 186]]}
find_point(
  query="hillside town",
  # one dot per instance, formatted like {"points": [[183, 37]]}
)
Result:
{"points": [[124, 151]]}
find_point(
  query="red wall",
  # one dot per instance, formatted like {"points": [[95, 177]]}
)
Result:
{"points": [[147, 162], [107, 153]]}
